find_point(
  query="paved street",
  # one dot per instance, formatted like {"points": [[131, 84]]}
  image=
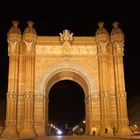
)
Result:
{"points": [[75, 138]]}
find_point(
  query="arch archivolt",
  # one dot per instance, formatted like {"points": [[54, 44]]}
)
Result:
{"points": [[66, 70]]}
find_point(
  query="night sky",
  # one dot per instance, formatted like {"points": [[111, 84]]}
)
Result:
{"points": [[81, 19]]}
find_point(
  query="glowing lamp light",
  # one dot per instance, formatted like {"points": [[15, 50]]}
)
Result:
{"points": [[59, 132], [84, 121]]}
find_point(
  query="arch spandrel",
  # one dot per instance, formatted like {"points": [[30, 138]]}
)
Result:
{"points": [[66, 66]]}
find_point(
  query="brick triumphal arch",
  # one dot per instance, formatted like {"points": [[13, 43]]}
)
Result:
{"points": [[36, 63]]}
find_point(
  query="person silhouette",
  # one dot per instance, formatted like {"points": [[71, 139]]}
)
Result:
{"points": [[94, 130], [114, 131]]}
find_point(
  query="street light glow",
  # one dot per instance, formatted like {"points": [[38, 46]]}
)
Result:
{"points": [[59, 132], [84, 121]]}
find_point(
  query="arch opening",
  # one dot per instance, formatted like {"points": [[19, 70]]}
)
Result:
{"points": [[66, 108]]}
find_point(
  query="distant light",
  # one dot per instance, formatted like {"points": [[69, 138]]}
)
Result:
{"points": [[84, 121], [135, 126], [59, 132]]}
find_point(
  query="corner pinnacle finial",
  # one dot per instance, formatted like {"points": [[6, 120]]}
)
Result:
{"points": [[116, 29], [100, 24], [30, 23], [15, 23], [101, 29], [14, 29], [115, 24], [30, 28]]}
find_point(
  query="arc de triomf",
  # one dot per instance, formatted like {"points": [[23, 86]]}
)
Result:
{"points": [[36, 63]]}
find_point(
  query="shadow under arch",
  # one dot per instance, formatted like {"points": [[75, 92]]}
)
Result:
{"points": [[66, 107]]}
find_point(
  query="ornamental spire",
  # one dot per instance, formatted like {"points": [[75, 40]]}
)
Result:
{"points": [[30, 28], [14, 29], [116, 29], [101, 29]]}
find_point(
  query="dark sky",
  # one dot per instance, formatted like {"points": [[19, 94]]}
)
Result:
{"points": [[81, 18]]}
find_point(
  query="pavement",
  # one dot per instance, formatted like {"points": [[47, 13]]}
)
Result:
{"points": [[75, 138]]}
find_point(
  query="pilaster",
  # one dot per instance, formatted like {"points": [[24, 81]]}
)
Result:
{"points": [[95, 111], [29, 39], [21, 88], [102, 40], [41, 115], [117, 39], [88, 115], [13, 39], [28, 129]]}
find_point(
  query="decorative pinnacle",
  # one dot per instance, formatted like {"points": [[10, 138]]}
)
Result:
{"points": [[15, 23], [116, 29], [101, 24], [115, 24], [30, 23]]}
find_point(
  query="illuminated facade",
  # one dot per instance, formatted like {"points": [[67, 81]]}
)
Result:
{"points": [[36, 63]]}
